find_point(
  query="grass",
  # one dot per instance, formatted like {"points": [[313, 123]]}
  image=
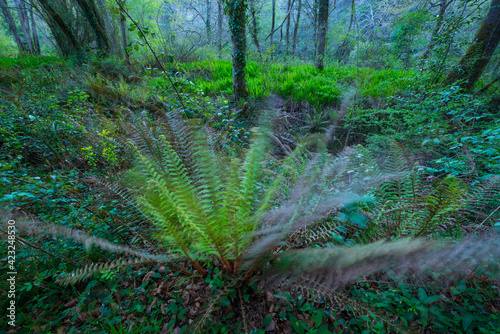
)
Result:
{"points": [[303, 83], [27, 62]]}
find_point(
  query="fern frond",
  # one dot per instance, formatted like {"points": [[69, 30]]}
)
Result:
{"points": [[448, 197], [88, 240], [333, 267], [323, 187], [482, 201], [86, 272], [318, 233]]}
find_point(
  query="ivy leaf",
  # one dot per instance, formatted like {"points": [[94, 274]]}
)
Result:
{"points": [[225, 302]]}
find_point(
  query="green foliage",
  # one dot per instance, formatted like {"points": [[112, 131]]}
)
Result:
{"points": [[418, 211], [301, 82], [284, 233], [7, 44], [111, 68], [454, 132], [408, 206], [90, 270], [202, 205], [204, 212], [29, 62], [407, 28]]}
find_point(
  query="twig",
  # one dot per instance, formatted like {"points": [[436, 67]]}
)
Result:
{"points": [[491, 214], [243, 311], [284, 20]]}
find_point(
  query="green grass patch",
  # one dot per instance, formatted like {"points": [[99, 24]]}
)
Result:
{"points": [[27, 62], [303, 83]]}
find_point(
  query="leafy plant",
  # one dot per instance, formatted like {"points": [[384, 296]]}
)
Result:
{"points": [[226, 214], [303, 83]]}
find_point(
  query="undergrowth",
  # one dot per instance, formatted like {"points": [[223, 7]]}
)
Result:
{"points": [[302, 83], [425, 167]]}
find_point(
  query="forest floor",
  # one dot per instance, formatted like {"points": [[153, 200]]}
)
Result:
{"points": [[63, 143]]}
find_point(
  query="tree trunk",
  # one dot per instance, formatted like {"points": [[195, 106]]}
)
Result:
{"points": [[322, 30], [36, 41], [208, 24], [439, 23], [12, 26], [296, 29], [344, 48], [24, 22], [124, 32], [273, 20], [96, 23], [64, 36], [471, 65], [255, 27], [287, 36], [237, 26], [219, 27], [315, 28]]}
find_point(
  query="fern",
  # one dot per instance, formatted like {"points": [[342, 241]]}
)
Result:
{"points": [[405, 205], [208, 208], [91, 269], [483, 203], [201, 206]]}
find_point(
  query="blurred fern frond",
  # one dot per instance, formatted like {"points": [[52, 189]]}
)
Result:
{"points": [[89, 270]]}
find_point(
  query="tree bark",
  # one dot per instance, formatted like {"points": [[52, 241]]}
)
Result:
{"points": [[296, 28], [315, 28], [96, 23], [208, 24], [237, 26], [12, 26], [255, 27], [36, 41], [64, 36], [124, 32], [472, 64], [22, 14], [219, 27], [287, 36], [322, 30], [273, 20], [344, 48]]}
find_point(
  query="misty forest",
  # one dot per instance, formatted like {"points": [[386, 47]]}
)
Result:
{"points": [[249, 166]]}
